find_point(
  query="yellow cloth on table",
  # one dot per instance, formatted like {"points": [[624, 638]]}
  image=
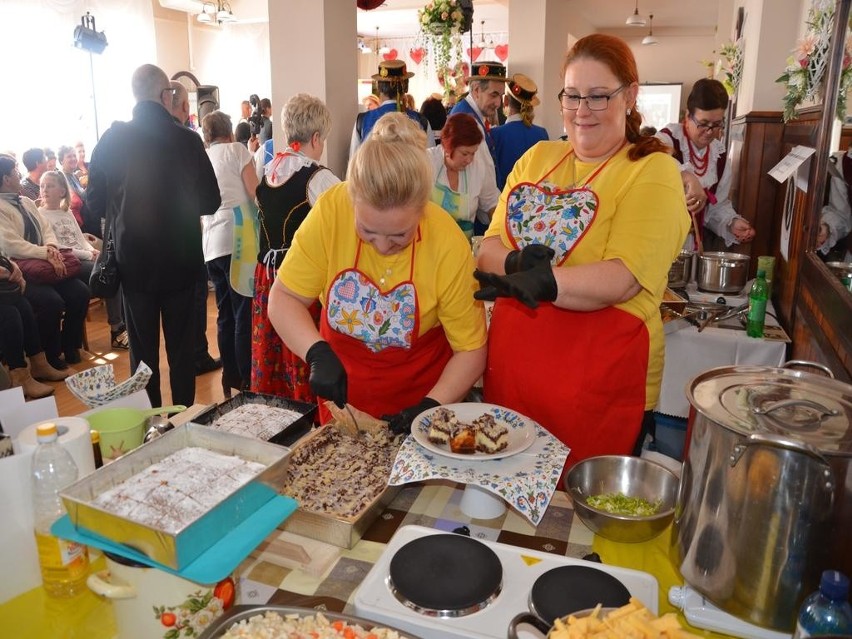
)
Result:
{"points": [[652, 557]]}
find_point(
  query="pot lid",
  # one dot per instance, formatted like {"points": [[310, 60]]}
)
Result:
{"points": [[811, 408]]}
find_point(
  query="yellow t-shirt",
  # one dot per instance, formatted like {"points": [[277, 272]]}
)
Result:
{"points": [[641, 220], [326, 243]]}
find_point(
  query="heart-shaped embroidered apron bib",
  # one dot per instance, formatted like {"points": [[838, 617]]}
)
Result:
{"points": [[375, 334]]}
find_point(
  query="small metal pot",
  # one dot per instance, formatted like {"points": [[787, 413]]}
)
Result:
{"points": [[681, 269], [722, 272]]}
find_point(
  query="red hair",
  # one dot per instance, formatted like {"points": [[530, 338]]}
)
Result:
{"points": [[461, 129], [617, 56]]}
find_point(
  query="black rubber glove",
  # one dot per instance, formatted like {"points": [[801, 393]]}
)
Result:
{"points": [[328, 377], [401, 422], [529, 287], [528, 257]]}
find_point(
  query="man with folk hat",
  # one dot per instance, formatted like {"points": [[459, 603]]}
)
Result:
{"points": [[518, 134], [392, 85], [486, 84]]}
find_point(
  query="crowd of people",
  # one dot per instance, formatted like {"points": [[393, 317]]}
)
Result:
{"points": [[366, 291]]}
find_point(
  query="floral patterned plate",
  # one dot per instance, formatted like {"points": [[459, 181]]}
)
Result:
{"points": [[521, 430]]}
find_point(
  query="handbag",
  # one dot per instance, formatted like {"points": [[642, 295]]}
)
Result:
{"points": [[104, 280], [8, 287], [39, 271]]}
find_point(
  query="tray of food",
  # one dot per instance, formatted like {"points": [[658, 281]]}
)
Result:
{"points": [[339, 477], [287, 621], [174, 497], [267, 417]]}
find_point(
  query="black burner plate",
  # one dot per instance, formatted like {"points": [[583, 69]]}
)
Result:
{"points": [[567, 589], [445, 573]]}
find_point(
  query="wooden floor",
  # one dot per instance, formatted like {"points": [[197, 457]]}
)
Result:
{"points": [[208, 387]]}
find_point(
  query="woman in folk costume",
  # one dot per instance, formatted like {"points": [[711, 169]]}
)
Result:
{"points": [[577, 258], [400, 331]]}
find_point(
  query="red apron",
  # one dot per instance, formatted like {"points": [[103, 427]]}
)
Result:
{"points": [[579, 374], [375, 335]]}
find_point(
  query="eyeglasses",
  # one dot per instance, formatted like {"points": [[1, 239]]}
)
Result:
{"points": [[571, 101], [707, 127], [172, 92]]}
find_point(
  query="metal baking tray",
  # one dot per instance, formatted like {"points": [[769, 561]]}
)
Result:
{"points": [[289, 434], [177, 550], [240, 613], [337, 531]]}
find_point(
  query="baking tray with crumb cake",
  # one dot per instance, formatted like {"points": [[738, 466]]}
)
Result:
{"points": [[340, 482], [235, 476], [267, 417]]}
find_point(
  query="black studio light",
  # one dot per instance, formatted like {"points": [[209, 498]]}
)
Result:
{"points": [[86, 37]]}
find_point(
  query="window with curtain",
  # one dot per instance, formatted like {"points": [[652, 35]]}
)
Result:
{"points": [[47, 98]]}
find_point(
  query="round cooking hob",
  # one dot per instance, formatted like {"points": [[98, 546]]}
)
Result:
{"points": [[445, 575], [568, 589]]}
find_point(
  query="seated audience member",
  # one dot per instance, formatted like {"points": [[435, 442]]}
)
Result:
{"points": [[836, 220], [19, 338], [36, 164], [82, 171], [67, 158], [289, 189], [704, 164], [463, 182], [433, 110], [60, 307], [55, 196], [391, 85], [518, 134]]}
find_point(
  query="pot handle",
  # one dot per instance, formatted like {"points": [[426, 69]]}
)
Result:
{"points": [[100, 584], [786, 403], [803, 362], [528, 618]]}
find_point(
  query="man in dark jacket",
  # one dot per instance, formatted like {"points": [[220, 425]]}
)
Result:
{"points": [[153, 178]]}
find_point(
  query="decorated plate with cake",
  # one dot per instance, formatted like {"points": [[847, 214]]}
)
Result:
{"points": [[473, 431]]}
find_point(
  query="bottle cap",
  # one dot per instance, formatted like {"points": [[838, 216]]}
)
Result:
{"points": [[95, 435], [834, 585], [46, 432], [761, 272]]}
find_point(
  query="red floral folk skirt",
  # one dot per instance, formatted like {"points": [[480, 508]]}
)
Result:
{"points": [[275, 370]]}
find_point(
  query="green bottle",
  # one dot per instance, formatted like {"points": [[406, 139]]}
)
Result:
{"points": [[757, 298]]}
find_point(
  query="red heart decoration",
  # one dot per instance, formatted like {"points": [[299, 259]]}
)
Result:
{"points": [[474, 53], [417, 54], [502, 52], [391, 55]]}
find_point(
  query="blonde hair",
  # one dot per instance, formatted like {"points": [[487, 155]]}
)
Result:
{"points": [[62, 181], [391, 168], [304, 115]]}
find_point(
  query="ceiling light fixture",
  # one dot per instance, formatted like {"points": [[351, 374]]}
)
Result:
{"points": [[384, 48], [650, 39], [363, 47], [635, 20], [218, 12]]}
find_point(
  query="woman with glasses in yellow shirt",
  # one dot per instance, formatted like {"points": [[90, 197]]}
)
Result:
{"points": [[577, 258], [705, 168]]}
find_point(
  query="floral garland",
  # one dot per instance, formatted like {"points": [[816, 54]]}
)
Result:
{"points": [[732, 52], [441, 23], [806, 68]]}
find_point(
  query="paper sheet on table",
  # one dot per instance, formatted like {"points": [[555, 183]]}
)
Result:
{"points": [[18, 417], [526, 480]]}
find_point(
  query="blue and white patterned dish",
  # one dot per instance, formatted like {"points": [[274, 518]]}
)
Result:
{"points": [[96, 386], [521, 431]]}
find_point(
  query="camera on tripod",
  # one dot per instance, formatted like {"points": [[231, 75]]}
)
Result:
{"points": [[256, 117]]}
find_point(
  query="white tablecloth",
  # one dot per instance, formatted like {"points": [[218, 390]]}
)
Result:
{"points": [[689, 353]]}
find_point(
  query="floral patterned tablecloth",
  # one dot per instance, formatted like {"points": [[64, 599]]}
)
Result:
{"points": [[526, 480]]}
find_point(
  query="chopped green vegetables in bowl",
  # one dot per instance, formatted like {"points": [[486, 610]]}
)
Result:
{"points": [[621, 504]]}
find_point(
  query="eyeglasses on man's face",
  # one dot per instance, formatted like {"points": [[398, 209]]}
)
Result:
{"points": [[707, 127], [170, 91], [571, 101]]}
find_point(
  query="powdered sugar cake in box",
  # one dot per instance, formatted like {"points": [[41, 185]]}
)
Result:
{"points": [[172, 509]]}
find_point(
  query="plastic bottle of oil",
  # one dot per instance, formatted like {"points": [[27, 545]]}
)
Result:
{"points": [[64, 564]]}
